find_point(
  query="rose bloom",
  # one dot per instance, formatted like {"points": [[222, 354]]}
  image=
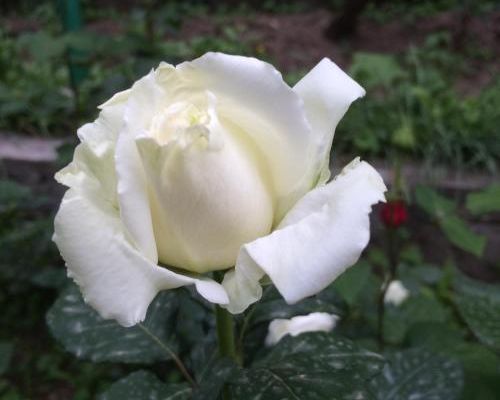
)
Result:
{"points": [[213, 164]]}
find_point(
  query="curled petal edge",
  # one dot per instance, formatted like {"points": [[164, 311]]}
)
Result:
{"points": [[114, 277], [318, 240]]}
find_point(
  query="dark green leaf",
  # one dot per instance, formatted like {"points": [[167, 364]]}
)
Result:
{"points": [[424, 274], [85, 334], [423, 307], [432, 202], [143, 385], [310, 366], [212, 381], [418, 374], [350, 284], [54, 278], [479, 305], [435, 335], [480, 365], [457, 231], [485, 201], [273, 306], [455, 228]]}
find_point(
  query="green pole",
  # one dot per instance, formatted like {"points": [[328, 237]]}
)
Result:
{"points": [[71, 18]]}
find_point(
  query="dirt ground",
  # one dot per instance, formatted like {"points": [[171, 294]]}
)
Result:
{"points": [[297, 41]]}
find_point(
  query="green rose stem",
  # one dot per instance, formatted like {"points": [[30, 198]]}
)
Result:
{"points": [[225, 327], [225, 336], [225, 333]]}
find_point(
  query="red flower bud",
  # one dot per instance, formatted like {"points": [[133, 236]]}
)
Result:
{"points": [[394, 213]]}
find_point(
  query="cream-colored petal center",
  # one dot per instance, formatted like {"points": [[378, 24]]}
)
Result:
{"points": [[207, 193]]}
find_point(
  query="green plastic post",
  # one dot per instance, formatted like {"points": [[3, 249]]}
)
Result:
{"points": [[71, 17]]}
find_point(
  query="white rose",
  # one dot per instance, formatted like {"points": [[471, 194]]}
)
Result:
{"points": [[396, 293], [208, 165], [314, 322]]}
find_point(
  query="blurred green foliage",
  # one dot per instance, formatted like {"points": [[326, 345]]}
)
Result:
{"points": [[35, 88], [412, 107]]}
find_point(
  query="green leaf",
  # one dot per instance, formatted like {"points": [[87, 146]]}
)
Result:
{"points": [[435, 335], [423, 307], [53, 278], [143, 385], [433, 203], [486, 201], [195, 329], [272, 306], [213, 379], [350, 284], [479, 305], [85, 334], [423, 274], [418, 374], [457, 231], [6, 349], [310, 366], [480, 365]]}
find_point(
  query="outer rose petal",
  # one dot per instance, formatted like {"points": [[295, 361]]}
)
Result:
{"points": [[327, 92], [314, 322], [92, 169], [145, 99], [254, 101], [319, 238], [102, 133], [114, 277]]}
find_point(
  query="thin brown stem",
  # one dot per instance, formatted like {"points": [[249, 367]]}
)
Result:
{"points": [[180, 365]]}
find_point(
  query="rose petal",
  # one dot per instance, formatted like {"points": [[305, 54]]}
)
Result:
{"points": [[205, 200], [146, 98], [321, 236], [133, 197], [90, 173], [254, 101], [113, 276], [92, 168], [327, 92], [314, 322]]}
